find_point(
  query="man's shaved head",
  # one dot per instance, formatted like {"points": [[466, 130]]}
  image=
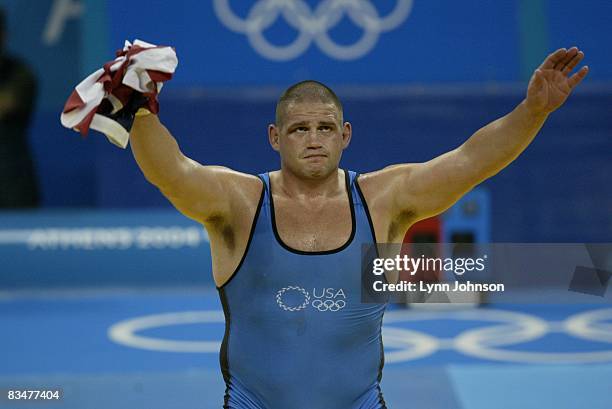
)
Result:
{"points": [[305, 91]]}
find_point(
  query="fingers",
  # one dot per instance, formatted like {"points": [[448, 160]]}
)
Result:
{"points": [[579, 76], [563, 60], [553, 59], [573, 63], [569, 55]]}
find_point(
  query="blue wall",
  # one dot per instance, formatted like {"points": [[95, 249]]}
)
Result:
{"points": [[422, 89], [558, 190]]}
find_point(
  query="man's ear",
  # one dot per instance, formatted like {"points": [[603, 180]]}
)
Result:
{"points": [[347, 133], [273, 136]]}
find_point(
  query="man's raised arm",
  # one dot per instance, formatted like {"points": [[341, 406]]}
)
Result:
{"points": [[199, 192], [120, 100], [427, 189]]}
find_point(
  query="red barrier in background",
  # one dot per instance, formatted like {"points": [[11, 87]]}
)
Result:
{"points": [[424, 231]]}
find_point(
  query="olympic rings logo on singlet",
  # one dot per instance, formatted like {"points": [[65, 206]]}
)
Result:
{"points": [[281, 298], [295, 298], [329, 305]]}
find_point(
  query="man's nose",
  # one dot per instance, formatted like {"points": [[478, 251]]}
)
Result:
{"points": [[313, 140]]}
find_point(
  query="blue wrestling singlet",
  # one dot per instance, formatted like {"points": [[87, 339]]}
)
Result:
{"points": [[296, 333]]}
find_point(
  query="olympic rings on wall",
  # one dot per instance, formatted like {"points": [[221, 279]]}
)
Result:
{"points": [[312, 25]]}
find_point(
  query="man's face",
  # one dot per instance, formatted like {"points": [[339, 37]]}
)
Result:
{"points": [[310, 138]]}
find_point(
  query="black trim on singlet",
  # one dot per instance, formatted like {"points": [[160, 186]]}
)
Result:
{"points": [[380, 397], [382, 347], [223, 359], [367, 211], [381, 364], [316, 253], [223, 355], [253, 224]]}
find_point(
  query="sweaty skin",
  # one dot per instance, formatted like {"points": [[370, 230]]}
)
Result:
{"points": [[311, 206], [312, 209]]}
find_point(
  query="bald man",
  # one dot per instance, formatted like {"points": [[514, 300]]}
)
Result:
{"points": [[286, 244]]}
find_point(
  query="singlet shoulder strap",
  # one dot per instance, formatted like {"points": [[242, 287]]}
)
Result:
{"points": [[357, 201], [265, 178], [360, 203], [352, 176]]}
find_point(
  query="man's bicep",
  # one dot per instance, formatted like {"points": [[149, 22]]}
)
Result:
{"points": [[426, 189], [206, 192], [429, 188]]}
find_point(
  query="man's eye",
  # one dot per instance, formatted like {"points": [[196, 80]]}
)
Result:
{"points": [[325, 128]]}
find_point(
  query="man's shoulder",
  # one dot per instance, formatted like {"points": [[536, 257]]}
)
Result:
{"points": [[382, 185]]}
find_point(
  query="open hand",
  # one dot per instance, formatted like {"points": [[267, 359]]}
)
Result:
{"points": [[550, 84]]}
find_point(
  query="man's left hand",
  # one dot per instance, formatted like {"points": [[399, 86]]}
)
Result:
{"points": [[550, 84]]}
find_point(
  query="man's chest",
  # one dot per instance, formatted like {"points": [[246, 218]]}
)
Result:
{"points": [[313, 226]]}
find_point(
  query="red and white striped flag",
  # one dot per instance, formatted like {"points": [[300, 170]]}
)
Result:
{"points": [[140, 67]]}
